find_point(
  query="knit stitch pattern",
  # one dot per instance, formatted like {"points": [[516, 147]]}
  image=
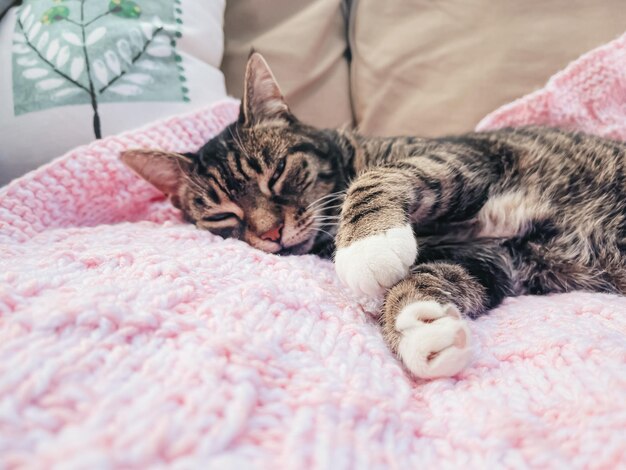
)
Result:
{"points": [[129, 339]]}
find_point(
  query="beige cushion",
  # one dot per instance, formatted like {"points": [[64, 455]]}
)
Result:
{"points": [[437, 67], [304, 42]]}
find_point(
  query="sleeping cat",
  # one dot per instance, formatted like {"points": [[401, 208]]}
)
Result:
{"points": [[445, 227]]}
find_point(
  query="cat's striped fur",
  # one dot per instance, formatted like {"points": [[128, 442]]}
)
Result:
{"points": [[492, 214]]}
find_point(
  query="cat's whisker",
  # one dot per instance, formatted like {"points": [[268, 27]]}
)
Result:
{"points": [[324, 210], [325, 206], [326, 219], [320, 208], [327, 199], [335, 194], [315, 229], [329, 211], [327, 223]]}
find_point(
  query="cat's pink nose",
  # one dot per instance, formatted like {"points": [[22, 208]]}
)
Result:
{"points": [[272, 235]]}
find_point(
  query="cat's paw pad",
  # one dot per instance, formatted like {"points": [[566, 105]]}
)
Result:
{"points": [[373, 264], [434, 340]]}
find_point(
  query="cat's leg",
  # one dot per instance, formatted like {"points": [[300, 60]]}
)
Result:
{"points": [[424, 319], [375, 242]]}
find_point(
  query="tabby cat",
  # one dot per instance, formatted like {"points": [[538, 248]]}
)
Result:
{"points": [[446, 227]]}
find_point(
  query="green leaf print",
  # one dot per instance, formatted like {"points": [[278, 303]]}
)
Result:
{"points": [[125, 8], [96, 51], [55, 14]]}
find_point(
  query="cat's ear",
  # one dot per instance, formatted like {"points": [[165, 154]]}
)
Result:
{"points": [[164, 170], [262, 99]]}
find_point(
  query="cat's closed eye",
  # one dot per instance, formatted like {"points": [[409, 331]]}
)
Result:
{"points": [[219, 217], [280, 168]]}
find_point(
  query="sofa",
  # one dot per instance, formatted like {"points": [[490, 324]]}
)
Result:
{"points": [[402, 67]]}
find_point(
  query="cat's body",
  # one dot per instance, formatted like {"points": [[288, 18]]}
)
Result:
{"points": [[544, 207], [447, 227]]}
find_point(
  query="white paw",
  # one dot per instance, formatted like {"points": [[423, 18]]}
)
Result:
{"points": [[373, 264], [435, 340]]}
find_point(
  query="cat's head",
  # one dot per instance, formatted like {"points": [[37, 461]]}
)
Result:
{"points": [[261, 180]]}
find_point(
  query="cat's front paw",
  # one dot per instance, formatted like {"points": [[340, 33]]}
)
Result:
{"points": [[372, 264], [434, 339]]}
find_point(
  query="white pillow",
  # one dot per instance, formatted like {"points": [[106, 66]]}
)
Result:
{"points": [[143, 59]]}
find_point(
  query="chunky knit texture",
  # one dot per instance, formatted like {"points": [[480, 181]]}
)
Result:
{"points": [[129, 339]]}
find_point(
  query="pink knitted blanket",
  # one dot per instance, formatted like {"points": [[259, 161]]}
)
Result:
{"points": [[129, 339]]}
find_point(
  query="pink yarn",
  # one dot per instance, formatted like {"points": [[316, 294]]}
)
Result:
{"points": [[131, 340]]}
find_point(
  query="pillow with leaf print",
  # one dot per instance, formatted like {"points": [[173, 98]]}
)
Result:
{"points": [[75, 70]]}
